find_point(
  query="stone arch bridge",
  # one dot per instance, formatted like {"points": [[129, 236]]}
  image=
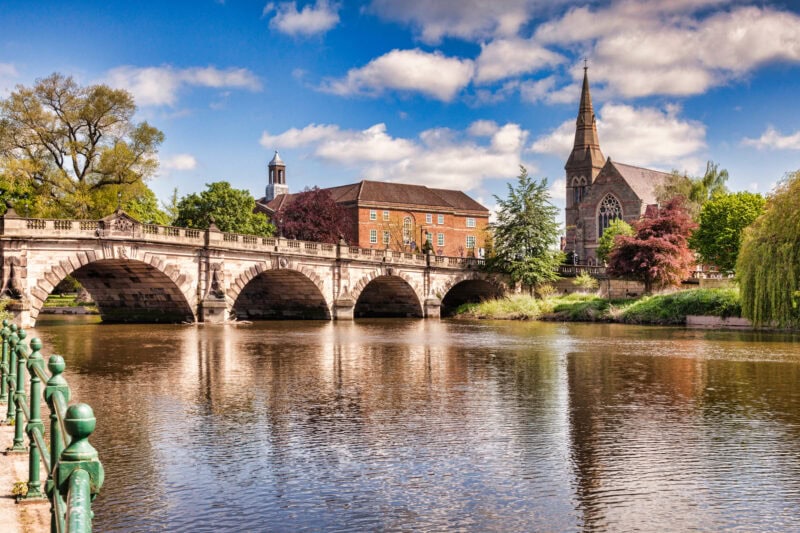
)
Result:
{"points": [[148, 273]]}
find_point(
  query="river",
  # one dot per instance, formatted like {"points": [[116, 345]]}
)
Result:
{"points": [[437, 425]]}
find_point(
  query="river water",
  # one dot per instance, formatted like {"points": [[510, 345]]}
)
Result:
{"points": [[430, 425]]}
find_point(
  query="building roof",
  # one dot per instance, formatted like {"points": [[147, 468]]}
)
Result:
{"points": [[276, 160], [379, 192], [643, 181]]}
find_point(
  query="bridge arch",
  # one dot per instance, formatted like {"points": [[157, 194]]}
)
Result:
{"points": [[387, 293], [125, 289], [471, 287], [291, 292]]}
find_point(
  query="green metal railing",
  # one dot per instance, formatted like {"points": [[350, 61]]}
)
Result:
{"points": [[74, 472]]}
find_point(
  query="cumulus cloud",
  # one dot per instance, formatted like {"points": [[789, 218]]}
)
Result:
{"points": [[642, 136], [179, 162], [675, 48], [504, 58], [406, 70], [310, 20], [465, 19], [772, 139], [439, 157], [8, 73], [156, 86]]}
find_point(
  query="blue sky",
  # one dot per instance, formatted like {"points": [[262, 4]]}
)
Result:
{"points": [[446, 93]]}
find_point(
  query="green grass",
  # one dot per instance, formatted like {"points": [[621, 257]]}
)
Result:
{"points": [[656, 309], [64, 300]]}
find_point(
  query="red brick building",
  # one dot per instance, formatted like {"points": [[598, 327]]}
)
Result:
{"points": [[401, 217]]}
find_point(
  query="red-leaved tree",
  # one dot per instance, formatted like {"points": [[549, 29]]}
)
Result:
{"points": [[658, 254], [313, 215]]}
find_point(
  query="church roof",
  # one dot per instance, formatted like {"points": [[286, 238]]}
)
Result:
{"points": [[643, 181], [276, 160], [379, 192]]}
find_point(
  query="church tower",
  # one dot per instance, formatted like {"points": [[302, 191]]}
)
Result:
{"points": [[582, 167], [276, 181]]}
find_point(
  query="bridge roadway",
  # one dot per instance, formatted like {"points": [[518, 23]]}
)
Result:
{"points": [[148, 273]]}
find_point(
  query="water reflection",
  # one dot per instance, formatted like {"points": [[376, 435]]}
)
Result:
{"points": [[431, 425]]}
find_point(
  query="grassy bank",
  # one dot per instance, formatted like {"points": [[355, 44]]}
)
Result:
{"points": [[656, 309]]}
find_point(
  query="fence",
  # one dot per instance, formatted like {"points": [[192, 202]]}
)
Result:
{"points": [[74, 472]]}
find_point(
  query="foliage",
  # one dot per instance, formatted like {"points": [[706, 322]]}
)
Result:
{"points": [[515, 307], [525, 233], [69, 144], [170, 208], [545, 291], [658, 254], [696, 191], [68, 284], [673, 308], [313, 215], [606, 242], [768, 266], [586, 282], [4, 314], [232, 210], [722, 221]]}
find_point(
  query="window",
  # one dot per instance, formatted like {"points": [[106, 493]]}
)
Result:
{"points": [[385, 237], [428, 218], [441, 220], [440, 239], [373, 236], [610, 209], [373, 215], [386, 215], [408, 230], [470, 242], [470, 222], [579, 190], [429, 238]]}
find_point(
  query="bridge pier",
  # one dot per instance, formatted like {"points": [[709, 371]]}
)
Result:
{"points": [[212, 311], [344, 309], [433, 308]]}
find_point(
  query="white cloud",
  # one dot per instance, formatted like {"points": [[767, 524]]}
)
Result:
{"points": [[310, 20], [558, 189], [640, 48], [155, 86], [439, 157], [8, 73], [504, 58], [406, 70], [772, 139], [180, 162], [465, 19], [642, 136]]}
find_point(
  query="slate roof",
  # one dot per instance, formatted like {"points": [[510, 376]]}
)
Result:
{"points": [[643, 181], [379, 192]]}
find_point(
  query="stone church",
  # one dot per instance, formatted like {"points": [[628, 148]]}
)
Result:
{"points": [[599, 190]]}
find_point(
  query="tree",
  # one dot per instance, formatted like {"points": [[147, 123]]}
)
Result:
{"points": [[722, 221], [606, 242], [313, 215], [526, 232], [696, 191], [232, 210], [658, 254], [70, 143], [768, 266]]}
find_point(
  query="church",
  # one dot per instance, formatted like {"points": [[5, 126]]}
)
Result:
{"points": [[599, 190]]}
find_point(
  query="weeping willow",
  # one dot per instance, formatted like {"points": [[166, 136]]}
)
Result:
{"points": [[768, 267]]}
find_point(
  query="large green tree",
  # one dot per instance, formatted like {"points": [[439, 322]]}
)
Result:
{"points": [[606, 242], [72, 144], [722, 221], [768, 266], [695, 190], [525, 233], [232, 210]]}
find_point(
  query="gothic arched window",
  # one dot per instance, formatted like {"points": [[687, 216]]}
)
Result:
{"points": [[610, 209], [579, 190], [408, 230]]}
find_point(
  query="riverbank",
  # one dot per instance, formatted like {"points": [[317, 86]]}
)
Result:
{"points": [[660, 309]]}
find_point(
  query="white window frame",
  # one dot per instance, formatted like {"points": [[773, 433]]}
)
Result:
{"points": [[386, 237], [440, 220], [428, 218], [386, 215], [470, 239], [373, 236], [373, 215], [470, 222], [440, 239]]}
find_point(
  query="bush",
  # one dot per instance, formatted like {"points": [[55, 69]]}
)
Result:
{"points": [[515, 307], [586, 282], [673, 308]]}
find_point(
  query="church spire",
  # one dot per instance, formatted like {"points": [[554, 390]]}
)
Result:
{"points": [[586, 157]]}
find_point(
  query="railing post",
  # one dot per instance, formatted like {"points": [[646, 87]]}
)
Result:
{"points": [[79, 474], [35, 361], [5, 332], [19, 396], [56, 394], [12, 372]]}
